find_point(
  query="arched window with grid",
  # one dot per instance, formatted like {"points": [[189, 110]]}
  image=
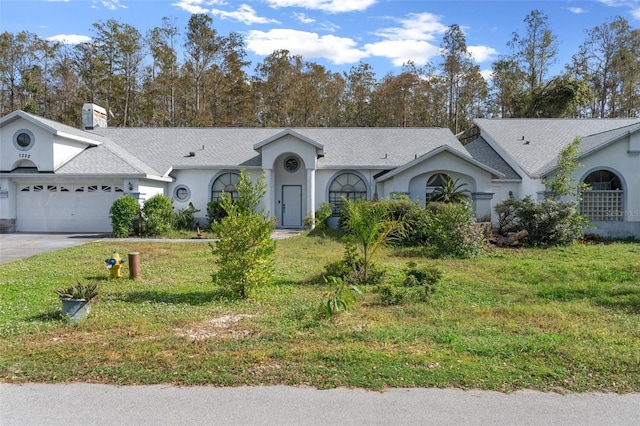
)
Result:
{"points": [[346, 185], [604, 199], [226, 182]]}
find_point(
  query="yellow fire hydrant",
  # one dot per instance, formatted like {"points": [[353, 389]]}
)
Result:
{"points": [[114, 264]]}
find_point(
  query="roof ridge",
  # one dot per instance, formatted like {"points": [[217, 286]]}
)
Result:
{"points": [[617, 129]]}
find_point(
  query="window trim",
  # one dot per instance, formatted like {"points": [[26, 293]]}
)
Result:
{"points": [[234, 194], [593, 201], [287, 160], [27, 132], [365, 194], [179, 188]]}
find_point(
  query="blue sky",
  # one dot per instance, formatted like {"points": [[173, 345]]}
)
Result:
{"points": [[335, 33]]}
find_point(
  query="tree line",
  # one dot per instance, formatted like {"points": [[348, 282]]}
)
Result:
{"points": [[199, 78]]}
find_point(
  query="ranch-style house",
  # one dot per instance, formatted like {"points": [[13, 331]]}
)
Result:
{"points": [[57, 178]]}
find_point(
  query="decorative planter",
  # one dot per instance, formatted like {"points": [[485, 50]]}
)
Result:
{"points": [[76, 309]]}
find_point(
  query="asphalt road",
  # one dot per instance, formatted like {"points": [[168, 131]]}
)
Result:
{"points": [[91, 404]]}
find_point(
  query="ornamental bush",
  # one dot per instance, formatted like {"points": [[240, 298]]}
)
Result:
{"points": [[414, 220], [549, 222], [244, 248], [451, 231], [184, 218], [215, 212], [158, 215], [124, 213]]}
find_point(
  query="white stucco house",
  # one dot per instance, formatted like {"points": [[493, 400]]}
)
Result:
{"points": [[57, 178], [526, 151]]}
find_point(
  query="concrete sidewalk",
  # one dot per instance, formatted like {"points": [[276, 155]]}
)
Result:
{"points": [[40, 404]]}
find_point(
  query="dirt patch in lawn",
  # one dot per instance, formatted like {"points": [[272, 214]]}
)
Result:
{"points": [[226, 326]]}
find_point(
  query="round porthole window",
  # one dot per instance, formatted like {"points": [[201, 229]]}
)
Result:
{"points": [[182, 193], [291, 164], [23, 140]]}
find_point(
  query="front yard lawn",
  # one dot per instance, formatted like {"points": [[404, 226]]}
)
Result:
{"points": [[560, 319]]}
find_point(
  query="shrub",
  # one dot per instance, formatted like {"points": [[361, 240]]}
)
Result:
{"points": [[322, 216], [507, 220], [245, 247], [124, 213], [414, 219], [158, 214], [550, 222], [350, 268], [341, 298], [215, 212], [417, 285], [451, 231], [368, 228], [184, 219]]}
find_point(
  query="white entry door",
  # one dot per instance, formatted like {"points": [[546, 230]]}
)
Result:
{"points": [[291, 206]]}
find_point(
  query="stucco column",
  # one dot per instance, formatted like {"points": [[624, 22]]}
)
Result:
{"points": [[311, 192], [268, 196], [482, 205], [8, 209]]}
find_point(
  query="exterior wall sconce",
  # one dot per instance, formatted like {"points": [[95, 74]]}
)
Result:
{"points": [[130, 186]]}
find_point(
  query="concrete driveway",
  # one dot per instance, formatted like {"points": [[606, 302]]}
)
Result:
{"points": [[19, 245]]}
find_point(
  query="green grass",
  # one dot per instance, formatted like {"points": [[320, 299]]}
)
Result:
{"points": [[561, 319]]}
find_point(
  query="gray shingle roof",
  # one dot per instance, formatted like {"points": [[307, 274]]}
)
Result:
{"points": [[106, 159], [164, 149], [482, 152], [533, 144], [54, 126]]}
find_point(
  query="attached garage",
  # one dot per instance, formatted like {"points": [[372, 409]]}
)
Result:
{"points": [[43, 207]]}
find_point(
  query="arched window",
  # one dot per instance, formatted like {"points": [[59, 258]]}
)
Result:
{"points": [[349, 186], [604, 198], [225, 182]]}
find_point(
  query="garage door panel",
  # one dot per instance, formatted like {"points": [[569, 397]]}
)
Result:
{"points": [[65, 208]]}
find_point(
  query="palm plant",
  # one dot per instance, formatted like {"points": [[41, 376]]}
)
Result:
{"points": [[450, 192], [369, 228]]}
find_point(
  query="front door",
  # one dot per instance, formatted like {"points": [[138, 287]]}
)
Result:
{"points": [[291, 206]]}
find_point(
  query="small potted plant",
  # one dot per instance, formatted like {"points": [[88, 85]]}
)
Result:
{"points": [[76, 299]]}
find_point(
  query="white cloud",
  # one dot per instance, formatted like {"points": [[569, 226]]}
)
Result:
{"points": [[245, 14], [402, 51], [576, 10], [482, 53], [329, 6], [416, 26], [191, 6], [303, 18], [338, 50], [108, 4], [632, 5], [487, 74], [70, 38]]}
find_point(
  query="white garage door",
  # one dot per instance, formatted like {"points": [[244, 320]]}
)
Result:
{"points": [[65, 208]]}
